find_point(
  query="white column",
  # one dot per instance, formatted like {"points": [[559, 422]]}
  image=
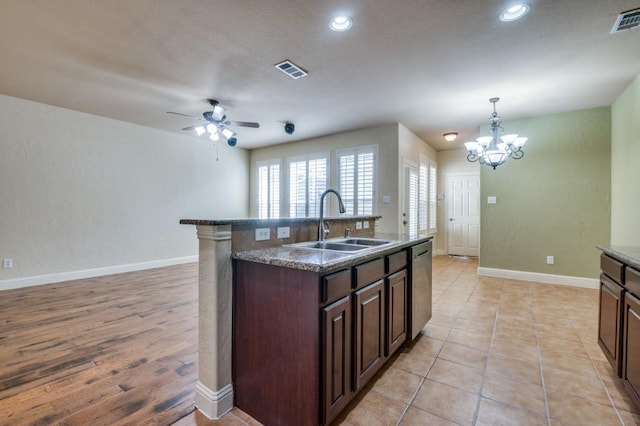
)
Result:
{"points": [[214, 392]]}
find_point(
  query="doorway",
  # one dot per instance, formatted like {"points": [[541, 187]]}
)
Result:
{"points": [[462, 193]]}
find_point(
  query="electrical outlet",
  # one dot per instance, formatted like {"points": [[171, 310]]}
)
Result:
{"points": [[7, 263], [550, 260], [365, 224], [262, 234], [358, 225], [282, 232]]}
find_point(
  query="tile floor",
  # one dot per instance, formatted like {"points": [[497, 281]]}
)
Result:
{"points": [[496, 352]]}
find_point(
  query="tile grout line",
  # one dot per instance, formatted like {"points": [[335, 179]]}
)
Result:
{"points": [[544, 386]]}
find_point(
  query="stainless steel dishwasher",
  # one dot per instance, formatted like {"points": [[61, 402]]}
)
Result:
{"points": [[420, 289]]}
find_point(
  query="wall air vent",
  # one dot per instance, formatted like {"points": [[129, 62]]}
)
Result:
{"points": [[291, 69], [626, 21]]}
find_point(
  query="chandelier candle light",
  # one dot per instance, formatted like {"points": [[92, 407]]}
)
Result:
{"points": [[492, 151]]}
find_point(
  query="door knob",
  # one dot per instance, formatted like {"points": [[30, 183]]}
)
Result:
{"points": [[450, 219]]}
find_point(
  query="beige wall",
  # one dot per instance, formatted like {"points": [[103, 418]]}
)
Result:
{"points": [[555, 201], [386, 137], [81, 192], [625, 167]]}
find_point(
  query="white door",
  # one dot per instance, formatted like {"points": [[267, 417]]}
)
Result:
{"points": [[463, 214]]}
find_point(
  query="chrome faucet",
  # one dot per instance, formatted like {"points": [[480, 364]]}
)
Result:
{"points": [[321, 230]]}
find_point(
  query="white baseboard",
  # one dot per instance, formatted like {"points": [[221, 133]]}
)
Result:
{"points": [[540, 277], [90, 273], [214, 404]]}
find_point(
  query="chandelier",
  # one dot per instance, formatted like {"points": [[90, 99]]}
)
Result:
{"points": [[492, 151]]}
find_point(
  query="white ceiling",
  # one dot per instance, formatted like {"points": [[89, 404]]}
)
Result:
{"points": [[429, 64]]}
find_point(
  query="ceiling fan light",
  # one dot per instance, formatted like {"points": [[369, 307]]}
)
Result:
{"points": [[227, 133], [200, 130], [214, 137], [218, 112], [212, 129]]}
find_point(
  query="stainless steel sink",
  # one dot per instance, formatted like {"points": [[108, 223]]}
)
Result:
{"points": [[365, 241], [329, 245], [351, 244]]}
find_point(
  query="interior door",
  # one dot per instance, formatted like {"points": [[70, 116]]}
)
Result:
{"points": [[463, 210]]}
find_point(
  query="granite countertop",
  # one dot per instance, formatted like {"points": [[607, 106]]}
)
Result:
{"points": [[625, 254], [271, 222], [325, 261]]}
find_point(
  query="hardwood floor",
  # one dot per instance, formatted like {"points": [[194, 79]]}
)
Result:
{"points": [[114, 350]]}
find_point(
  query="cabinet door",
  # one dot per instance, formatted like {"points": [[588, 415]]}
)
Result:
{"points": [[369, 326], [336, 388], [610, 321], [397, 311], [631, 346]]}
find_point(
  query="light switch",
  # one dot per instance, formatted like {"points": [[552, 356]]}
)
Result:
{"points": [[386, 199], [492, 199]]}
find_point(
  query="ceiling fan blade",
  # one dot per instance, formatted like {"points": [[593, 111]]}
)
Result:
{"points": [[242, 124], [192, 127], [184, 115]]}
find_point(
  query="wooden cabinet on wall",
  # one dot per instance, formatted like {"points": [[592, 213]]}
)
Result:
{"points": [[305, 343]]}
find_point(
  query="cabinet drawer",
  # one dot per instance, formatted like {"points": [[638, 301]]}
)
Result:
{"points": [[612, 268], [632, 281], [336, 285], [396, 261], [368, 272]]}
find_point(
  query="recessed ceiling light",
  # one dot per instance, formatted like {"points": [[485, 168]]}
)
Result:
{"points": [[515, 12], [340, 23]]}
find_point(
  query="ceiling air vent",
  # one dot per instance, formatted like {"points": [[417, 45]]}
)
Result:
{"points": [[626, 21], [291, 69]]}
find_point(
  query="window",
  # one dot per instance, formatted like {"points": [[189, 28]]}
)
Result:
{"points": [[268, 189], [357, 174], [427, 195], [423, 194], [308, 178], [433, 196], [413, 201]]}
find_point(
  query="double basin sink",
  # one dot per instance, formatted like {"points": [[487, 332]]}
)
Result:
{"points": [[349, 244]]}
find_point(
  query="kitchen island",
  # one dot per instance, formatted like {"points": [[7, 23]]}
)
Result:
{"points": [[311, 327], [619, 313]]}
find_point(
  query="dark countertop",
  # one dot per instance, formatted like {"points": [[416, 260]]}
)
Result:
{"points": [[270, 222], [625, 254], [325, 261]]}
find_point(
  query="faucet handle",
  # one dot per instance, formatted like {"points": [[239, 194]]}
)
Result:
{"points": [[327, 228], [347, 232]]}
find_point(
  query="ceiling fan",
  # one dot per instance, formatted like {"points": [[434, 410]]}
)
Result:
{"points": [[215, 123]]}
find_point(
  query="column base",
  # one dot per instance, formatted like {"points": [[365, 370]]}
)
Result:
{"points": [[214, 404]]}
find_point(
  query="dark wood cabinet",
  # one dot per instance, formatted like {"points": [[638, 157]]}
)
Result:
{"points": [[610, 321], [370, 326], [336, 362], [304, 343], [631, 347], [397, 290]]}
